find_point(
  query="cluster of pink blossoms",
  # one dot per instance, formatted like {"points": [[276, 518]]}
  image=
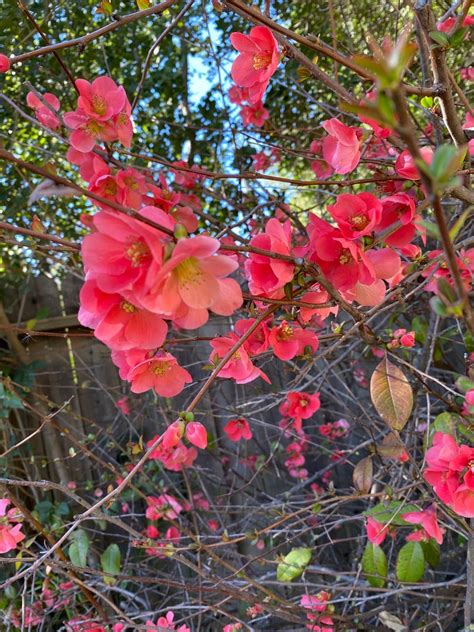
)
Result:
{"points": [[425, 520], [297, 407], [450, 471], [10, 527], [251, 72], [138, 277], [319, 612]]}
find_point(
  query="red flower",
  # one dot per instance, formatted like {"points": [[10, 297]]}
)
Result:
{"points": [[341, 148], [341, 260], [288, 341], [427, 520], [257, 61], [254, 114], [240, 367], [405, 166], [401, 208], [161, 373], [4, 63], [196, 434], [356, 215], [44, 114], [268, 276], [238, 429]]}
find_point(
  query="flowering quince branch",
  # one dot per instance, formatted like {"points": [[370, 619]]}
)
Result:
{"points": [[157, 259], [89, 37]]}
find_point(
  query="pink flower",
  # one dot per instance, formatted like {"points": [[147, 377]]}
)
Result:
{"points": [[300, 405], [175, 458], [401, 208], [446, 462], [43, 113], [173, 434], [463, 501], [341, 260], [341, 148], [405, 166], [238, 95], [122, 403], [317, 604], [259, 341], [132, 187], [161, 373], [118, 323], [288, 341], [87, 131], [127, 360], [240, 367], [238, 429], [427, 520], [196, 434], [188, 176], [103, 113], [257, 61], [447, 25], [321, 168], [4, 63], [407, 339], [124, 254], [164, 507], [10, 535], [356, 215], [85, 161], [192, 282], [267, 276], [469, 121], [376, 531], [261, 162], [102, 99], [316, 295], [467, 74], [254, 114]]}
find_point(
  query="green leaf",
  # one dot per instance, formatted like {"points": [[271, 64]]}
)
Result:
{"points": [[431, 552], [439, 37], [79, 548], [391, 513], [427, 102], [464, 383], [457, 37], [453, 232], [447, 160], [293, 564], [410, 562], [447, 423], [374, 565], [110, 562]]}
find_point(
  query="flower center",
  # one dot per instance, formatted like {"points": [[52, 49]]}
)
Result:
{"points": [[161, 368], [93, 128], [360, 221], [261, 61], [285, 332], [136, 252], [131, 183], [99, 105], [345, 256], [303, 403], [122, 119], [128, 307], [188, 271], [110, 187]]}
